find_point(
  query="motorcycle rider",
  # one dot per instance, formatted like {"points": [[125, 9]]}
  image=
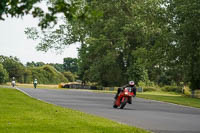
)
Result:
{"points": [[35, 83], [133, 87]]}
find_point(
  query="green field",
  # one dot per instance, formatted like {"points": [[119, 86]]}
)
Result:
{"points": [[22, 114], [171, 98]]}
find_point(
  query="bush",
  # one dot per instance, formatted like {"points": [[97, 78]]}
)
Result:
{"points": [[70, 76], [28, 76], [187, 91], [147, 83], [177, 89], [47, 75], [3, 74], [145, 89], [147, 86]]}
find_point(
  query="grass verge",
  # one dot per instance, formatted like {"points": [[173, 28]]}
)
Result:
{"points": [[171, 98], [22, 114], [41, 86]]}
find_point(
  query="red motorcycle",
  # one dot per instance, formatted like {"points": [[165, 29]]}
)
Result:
{"points": [[124, 97]]}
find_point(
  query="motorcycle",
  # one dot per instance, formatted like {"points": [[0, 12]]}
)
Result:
{"points": [[35, 85], [13, 83], [123, 98]]}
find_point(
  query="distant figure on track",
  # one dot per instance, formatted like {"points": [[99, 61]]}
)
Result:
{"points": [[13, 82], [35, 83]]}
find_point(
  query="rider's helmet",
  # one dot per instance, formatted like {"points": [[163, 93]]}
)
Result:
{"points": [[131, 83]]}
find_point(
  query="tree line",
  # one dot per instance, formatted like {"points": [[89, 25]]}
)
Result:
{"points": [[153, 41], [45, 73]]}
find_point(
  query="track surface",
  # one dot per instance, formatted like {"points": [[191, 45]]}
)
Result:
{"points": [[151, 115]]}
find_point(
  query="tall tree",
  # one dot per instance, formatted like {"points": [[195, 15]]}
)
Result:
{"points": [[185, 18], [109, 36]]}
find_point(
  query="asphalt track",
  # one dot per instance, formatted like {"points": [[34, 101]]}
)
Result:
{"points": [[155, 116]]}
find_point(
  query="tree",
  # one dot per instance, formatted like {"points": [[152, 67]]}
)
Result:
{"points": [[34, 64], [3, 74], [112, 32], [58, 67], [70, 64], [14, 67], [108, 38], [185, 17], [17, 8], [123, 27], [138, 69]]}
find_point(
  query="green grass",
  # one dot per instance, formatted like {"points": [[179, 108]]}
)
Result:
{"points": [[171, 98], [22, 114]]}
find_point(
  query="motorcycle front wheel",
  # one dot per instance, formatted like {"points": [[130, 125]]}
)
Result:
{"points": [[13, 85], [35, 86], [123, 104], [114, 105]]}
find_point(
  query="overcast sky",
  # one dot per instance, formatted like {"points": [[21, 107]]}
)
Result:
{"points": [[13, 42]]}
